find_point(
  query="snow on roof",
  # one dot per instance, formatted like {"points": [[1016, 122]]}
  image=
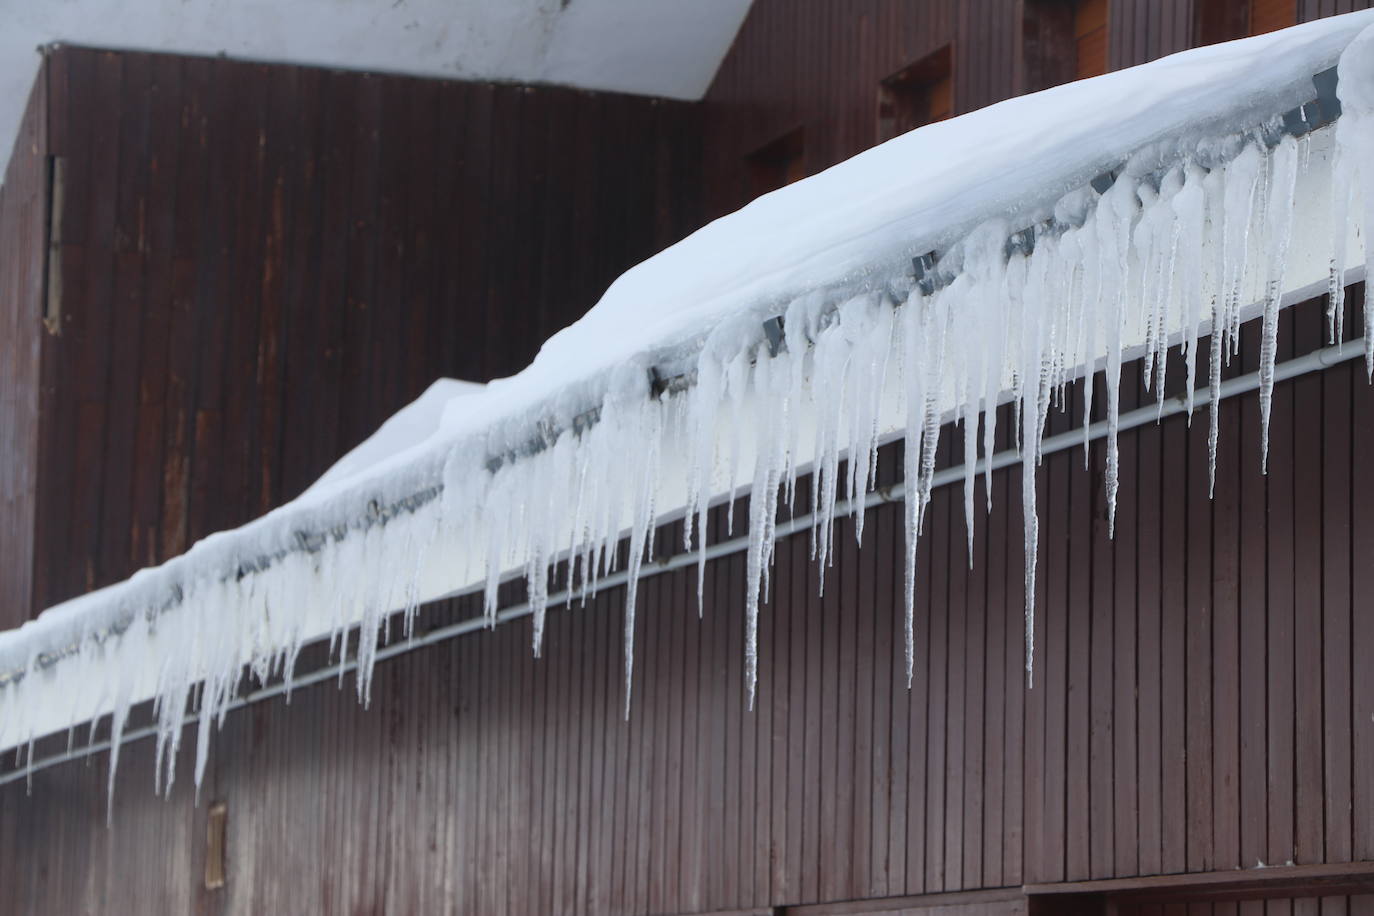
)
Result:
{"points": [[993, 256], [410, 426]]}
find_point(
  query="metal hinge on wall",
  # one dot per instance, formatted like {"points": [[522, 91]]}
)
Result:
{"points": [[216, 825], [52, 267]]}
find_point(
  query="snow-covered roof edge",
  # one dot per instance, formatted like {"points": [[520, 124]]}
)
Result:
{"points": [[1197, 220]]}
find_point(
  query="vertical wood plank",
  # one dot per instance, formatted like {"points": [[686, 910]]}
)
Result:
{"points": [[1337, 609], [1173, 652]]}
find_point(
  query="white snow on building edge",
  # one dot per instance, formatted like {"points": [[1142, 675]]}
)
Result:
{"points": [[1211, 212]]}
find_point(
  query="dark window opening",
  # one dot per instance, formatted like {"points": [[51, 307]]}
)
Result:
{"points": [[919, 94], [1090, 38], [1272, 15], [779, 163], [1049, 43], [1225, 20]]}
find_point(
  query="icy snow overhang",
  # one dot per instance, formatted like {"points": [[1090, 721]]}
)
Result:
{"points": [[994, 256]]}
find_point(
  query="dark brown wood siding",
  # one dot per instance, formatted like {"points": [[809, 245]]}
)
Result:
{"points": [[818, 67], [1200, 705], [1316, 9], [1201, 702], [261, 263], [1334, 905], [825, 77], [23, 240]]}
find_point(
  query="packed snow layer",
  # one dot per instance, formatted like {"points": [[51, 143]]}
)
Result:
{"points": [[409, 427], [670, 395]]}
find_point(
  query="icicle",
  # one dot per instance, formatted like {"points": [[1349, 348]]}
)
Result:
{"points": [[914, 336], [970, 421], [1215, 186], [868, 325], [1243, 180], [1030, 361], [1279, 225], [1146, 245], [1341, 193], [118, 717], [1189, 206], [770, 457], [646, 430], [737, 375], [1090, 326], [1113, 219], [701, 473], [995, 340], [1355, 145], [1170, 228], [551, 494]]}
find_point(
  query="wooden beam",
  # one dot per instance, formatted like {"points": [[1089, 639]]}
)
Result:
{"points": [[1255, 883], [1009, 895]]}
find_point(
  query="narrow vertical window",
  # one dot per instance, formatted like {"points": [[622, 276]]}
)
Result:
{"points": [[1226, 20], [1220, 20], [1090, 38], [1049, 43], [1272, 15], [919, 94]]}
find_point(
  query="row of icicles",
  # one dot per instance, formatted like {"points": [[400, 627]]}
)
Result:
{"points": [[1166, 253]]}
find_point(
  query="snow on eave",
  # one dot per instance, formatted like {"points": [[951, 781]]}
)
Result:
{"points": [[833, 254]]}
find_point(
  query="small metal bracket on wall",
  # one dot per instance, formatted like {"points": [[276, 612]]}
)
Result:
{"points": [[1319, 112], [216, 829], [52, 259], [923, 272]]}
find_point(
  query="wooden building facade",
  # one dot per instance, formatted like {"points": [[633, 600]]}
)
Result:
{"points": [[218, 276]]}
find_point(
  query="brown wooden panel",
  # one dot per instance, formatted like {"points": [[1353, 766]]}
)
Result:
{"points": [[1196, 706], [1315, 9], [1090, 33], [1279, 562], [1270, 15], [250, 284], [1173, 629], [1362, 641], [23, 243], [537, 785], [826, 78], [1143, 30], [1200, 610], [1337, 607]]}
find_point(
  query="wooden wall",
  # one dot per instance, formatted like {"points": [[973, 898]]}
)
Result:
{"points": [[824, 76], [1200, 705], [23, 238], [1315, 9], [817, 66], [1201, 701], [1336, 905], [261, 263]]}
